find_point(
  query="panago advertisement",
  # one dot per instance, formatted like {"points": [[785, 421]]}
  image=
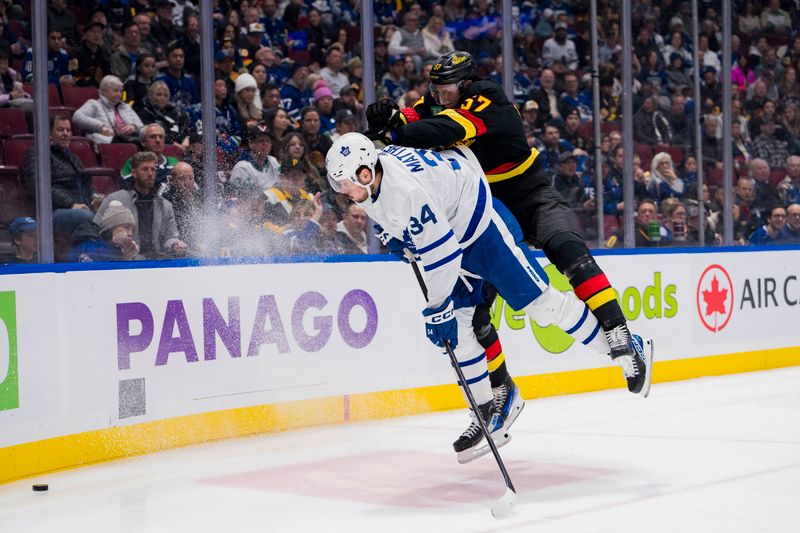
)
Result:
{"points": [[107, 363]]}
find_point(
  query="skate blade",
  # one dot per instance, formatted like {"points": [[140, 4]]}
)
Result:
{"points": [[647, 350], [516, 408], [469, 455]]}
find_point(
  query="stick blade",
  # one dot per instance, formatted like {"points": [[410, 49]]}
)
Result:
{"points": [[503, 507]]}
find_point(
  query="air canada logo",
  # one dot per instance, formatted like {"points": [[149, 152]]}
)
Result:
{"points": [[715, 298]]}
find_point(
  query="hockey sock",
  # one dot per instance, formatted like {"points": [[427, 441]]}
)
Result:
{"points": [[590, 283], [496, 360]]}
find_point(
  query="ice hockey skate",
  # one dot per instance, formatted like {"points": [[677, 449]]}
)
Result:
{"points": [[637, 365], [508, 401], [471, 445]]}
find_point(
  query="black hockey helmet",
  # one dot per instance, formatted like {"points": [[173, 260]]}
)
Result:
{"points": [[453, 67]]}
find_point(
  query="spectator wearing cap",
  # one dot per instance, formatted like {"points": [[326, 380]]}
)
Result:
{"points": [[571, 134], [135, 89], [530, 115], [24, 240], [127, 54], [558, 52], [332, 71], [256, 167], [345, 123], [156, 231], [62, 20], [408, 40], [108, 117], [294, 94], [163, 28], [227, 120], [348, 99], [323, 103], [395, 81], [282, 197], [248, 101], [251, 42], [182, 87], [351, 230], [566, 182], [158, 109], [91, 62], [768, 147], [223, 69], [58, 71], [109, 39], [151, 137], [110, 239], [710, 88]]}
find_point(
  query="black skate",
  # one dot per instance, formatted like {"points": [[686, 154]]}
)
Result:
{"points": [[508, 401], [471, 444], [637, 365]]}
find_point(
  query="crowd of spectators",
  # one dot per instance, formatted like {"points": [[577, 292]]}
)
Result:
{"points": [[289, 81]]}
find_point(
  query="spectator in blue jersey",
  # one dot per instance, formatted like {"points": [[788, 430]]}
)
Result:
{"points": [[57, 62], [273, 25], [768, 233], [653, 72], [294, 94], [182, 88], [396, 84], [552, 146], [227, 121], [323, 103]]}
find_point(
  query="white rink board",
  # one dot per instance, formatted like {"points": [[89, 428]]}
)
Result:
{"points": [[79, 333]]}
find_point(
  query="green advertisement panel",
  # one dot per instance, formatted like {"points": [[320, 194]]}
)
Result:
{"points": [[9, 377]]}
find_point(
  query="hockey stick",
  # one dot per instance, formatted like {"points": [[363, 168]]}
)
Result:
{"points": [[503, 506]]}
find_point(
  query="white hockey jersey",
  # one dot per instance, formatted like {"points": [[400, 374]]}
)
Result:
{"points": [[438, 203]]}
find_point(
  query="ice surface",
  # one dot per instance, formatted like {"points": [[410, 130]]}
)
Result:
{"points": [[708, 455]]}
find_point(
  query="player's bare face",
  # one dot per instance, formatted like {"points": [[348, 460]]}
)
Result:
{"points": [[446, 95]]}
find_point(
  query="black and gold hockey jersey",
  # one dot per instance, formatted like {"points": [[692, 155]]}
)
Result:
{"points": [[486, 121]]}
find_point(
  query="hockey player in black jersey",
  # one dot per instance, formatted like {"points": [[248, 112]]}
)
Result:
{"points": [[462, 109]]}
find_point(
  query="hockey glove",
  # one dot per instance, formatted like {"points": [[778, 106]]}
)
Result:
{"points": [[441, 325], [379, 114], [395, 246]]}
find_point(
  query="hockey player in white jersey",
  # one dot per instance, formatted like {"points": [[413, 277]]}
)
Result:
{"points": [[439, 205]]}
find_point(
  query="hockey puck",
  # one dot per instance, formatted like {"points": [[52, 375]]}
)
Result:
{"points": [[40, 487]]}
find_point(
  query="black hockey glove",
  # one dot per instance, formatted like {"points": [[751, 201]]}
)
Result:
{"points": [[380, 114]]}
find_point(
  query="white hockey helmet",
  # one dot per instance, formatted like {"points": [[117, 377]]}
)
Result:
{"points": [[350, 153]]}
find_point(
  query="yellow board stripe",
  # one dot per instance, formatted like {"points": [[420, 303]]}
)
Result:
{"points": [[80, 449], [495, 363], [464, 122], [516, 171], [602, 297]]}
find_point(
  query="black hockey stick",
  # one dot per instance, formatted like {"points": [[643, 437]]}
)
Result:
{"points": [[503, 506]]}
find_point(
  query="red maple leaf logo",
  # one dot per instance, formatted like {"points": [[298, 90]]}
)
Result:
{"points": [[715, 298]]}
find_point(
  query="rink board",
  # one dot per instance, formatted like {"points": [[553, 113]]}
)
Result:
{"points": [[112, 362]]}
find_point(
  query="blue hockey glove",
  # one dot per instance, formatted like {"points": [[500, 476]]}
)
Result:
{"points": [[395, 246], [441, 325]]}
